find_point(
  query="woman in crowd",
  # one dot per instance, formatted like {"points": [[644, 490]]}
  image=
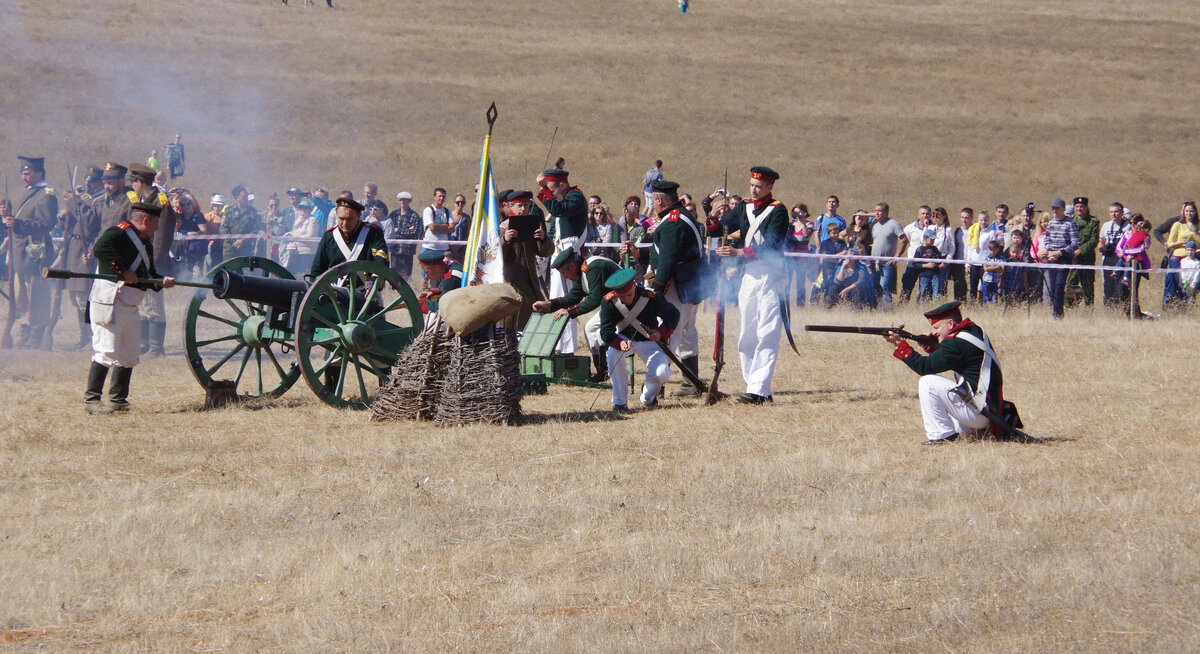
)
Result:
{"points": [[191, 223], [943, 240], [300, 252], [603, 229], [1187, 229], [798, 240], [858, 232], [1132, 248], [1035, 249]]}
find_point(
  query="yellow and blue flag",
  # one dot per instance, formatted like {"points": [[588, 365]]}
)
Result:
{"points": [[484, 263]]}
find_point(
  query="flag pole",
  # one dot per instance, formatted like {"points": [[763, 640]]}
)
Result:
{"points": [[476, 223]]}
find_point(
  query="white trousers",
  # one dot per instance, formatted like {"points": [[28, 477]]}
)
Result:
{"points": [[685, 341], [591, 331], [945, 412], [762, 325], [118, 343], [658, 371], [560, 286]]}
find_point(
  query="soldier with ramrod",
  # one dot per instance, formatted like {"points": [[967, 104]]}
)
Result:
{"points": [[126, 251]]}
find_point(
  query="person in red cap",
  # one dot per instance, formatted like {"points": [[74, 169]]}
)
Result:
{"points": [[954, 408], [567, 213], [763, 222]]}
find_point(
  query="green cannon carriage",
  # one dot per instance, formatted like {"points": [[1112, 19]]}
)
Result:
{"points": [[253, 323]]}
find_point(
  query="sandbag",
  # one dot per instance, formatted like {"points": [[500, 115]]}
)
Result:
{"points": [[469, 308]]}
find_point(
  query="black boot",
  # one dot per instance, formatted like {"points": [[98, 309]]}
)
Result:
{"points": [[600, 361], [95, 388], [35, 336], [145, 337], [158, 333], [686, 389], [118, 390]]}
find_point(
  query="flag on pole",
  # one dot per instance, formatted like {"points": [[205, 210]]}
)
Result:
{"points": [[484, 264]]}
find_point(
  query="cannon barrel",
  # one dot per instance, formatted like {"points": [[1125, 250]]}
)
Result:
{"points": [[271, 291]]}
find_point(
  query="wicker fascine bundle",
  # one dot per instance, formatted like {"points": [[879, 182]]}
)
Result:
{"points": [[454, 381]]}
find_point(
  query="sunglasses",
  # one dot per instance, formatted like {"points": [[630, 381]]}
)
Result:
{"points": [[460, 202]]}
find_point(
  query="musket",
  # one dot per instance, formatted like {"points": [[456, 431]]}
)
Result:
{"points": [[547, 162], [56, 273], [713, 395], [56, 304], [928, 341], [6, 337], [687, 372]]}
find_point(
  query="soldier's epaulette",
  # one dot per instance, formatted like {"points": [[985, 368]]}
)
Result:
{"points": [[649, 292], [375, 226], [49, 190], [583, 267], [133, 196], [124, 225], [673, 216], [163, 200], [610, 296]]}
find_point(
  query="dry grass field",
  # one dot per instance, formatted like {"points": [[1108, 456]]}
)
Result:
{"points": [[815, 524]]}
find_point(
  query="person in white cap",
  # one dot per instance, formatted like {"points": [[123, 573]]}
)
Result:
{"points": [[402, 223], [212, 224]]}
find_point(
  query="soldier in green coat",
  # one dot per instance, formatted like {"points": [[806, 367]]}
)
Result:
{"points": [[761, 224], [675, 259], [1089, 238], [634, 320], [350, 240], [953, 408], [587, 291]]}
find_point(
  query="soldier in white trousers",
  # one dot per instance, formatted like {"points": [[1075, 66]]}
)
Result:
{"points": [[762, 223]]}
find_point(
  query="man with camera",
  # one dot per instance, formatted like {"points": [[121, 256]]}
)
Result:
{"points": [[1115, 293]]}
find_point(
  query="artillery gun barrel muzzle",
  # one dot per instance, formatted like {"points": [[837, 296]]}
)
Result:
{"points": [[271, 291]]}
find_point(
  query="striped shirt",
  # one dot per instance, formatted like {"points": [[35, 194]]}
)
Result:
{"points": [[1061, 235]]}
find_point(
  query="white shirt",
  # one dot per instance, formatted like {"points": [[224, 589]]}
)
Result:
{"points": [[431, 217]]}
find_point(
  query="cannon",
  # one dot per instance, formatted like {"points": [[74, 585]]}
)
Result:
{"points": [[253, 322]]}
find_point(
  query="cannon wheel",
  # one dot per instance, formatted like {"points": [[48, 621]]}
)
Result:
{"points": [[228, 334], [358, 340]]}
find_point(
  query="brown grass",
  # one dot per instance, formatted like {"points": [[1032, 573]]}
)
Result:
{"points": [[816, 524]]}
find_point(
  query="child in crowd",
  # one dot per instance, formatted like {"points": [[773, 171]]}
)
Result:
{"points": [[929, 269], [1190, 271], [1014, 278], [1133, 245], [990, 284], [835, 244]]}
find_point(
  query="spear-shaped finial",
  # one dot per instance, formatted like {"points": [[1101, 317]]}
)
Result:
{"points": [[491, 117]]}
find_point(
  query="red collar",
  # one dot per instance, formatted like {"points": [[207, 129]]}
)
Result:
{"points": [[762, 202], [966, 322]]}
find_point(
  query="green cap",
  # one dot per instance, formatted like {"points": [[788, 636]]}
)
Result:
{"points": [[664, 186], [943, 311], [151, 208], [430, 256], [621, 280], [563, 258]]}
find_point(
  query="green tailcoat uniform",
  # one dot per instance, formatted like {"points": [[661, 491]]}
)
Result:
{"points": [[329, 254], [568, 216], [773, 228], [168, 222], [958, 356], [674, 244], [243, 220], [588, 293], [115, 253], [657, 313]]}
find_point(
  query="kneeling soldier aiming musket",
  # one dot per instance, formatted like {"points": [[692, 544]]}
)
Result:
{"points": [[954, 408], [635, 320], [124, 250]]}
